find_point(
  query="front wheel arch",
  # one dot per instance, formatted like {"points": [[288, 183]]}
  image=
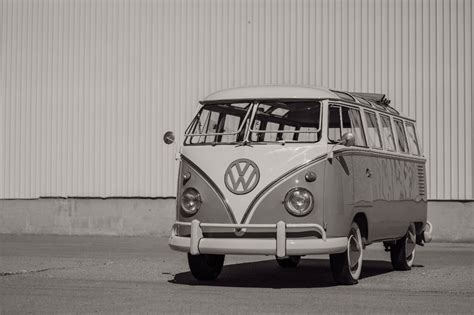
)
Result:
{"points": [[361, 219]]}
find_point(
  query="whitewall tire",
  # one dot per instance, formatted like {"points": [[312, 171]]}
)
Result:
{"points": [[402, 253], [346, 267]]}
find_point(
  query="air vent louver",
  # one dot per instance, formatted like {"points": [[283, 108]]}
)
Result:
{"points": [[421, 180]]}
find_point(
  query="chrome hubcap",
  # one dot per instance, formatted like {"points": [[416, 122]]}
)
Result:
{"points": [[354, 251], [410, 245]]}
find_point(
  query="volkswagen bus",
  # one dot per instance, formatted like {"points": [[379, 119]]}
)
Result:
{"points": [[291, 171]]}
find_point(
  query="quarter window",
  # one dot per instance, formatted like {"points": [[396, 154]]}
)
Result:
{"points": [[334, 128], [387, 133], [347, 120], [373, 135], [402, 137], [412, 140]]}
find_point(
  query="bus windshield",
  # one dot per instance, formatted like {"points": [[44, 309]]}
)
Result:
{"points": [[219, 123], [256, 122], [289, 121]]}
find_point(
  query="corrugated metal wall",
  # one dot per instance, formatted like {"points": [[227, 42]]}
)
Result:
{"points": [[88, 87]]}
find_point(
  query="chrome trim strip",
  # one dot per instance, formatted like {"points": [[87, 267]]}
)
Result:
{"points": [[380, 153], [276, 182], [212, 185]]}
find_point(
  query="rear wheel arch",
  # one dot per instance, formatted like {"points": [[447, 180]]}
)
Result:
{"points": [[419, 228]]}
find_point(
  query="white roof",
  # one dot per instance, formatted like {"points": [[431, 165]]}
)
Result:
{"points": [[271, 92]]}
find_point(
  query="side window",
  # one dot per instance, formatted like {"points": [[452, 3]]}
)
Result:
{"points": [[344, 119], [402, 137], [334, 124], [352, 122], [387, 133], [412, 140], [373, 135]]}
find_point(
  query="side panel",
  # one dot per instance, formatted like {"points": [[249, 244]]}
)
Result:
{"points": [[363, 180], [397, 198], [364, 184], [338, 195], [391, 197], [381, 215]]}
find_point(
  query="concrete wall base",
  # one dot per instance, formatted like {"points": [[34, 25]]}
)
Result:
{"points": [[87, 216], [453, 221]]}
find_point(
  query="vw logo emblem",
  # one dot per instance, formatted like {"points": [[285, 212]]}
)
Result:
{"points": [[241, 176]]}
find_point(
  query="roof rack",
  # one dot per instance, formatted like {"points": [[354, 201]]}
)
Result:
{"points": [[378, 99]]}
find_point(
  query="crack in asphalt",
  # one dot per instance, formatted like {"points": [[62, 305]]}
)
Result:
{"points": [[23, 272]]}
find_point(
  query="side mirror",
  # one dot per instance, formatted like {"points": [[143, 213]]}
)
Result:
{"points": [[168, 137], [347, 139]]}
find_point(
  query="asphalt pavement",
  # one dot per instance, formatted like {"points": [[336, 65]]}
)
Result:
{"points": [[107, 274]]}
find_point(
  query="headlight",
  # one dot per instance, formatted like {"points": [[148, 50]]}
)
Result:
{"points": [[190, 201], [299, 201]]}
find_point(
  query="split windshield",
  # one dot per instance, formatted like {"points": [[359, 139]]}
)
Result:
{"points": [[256, 122]]}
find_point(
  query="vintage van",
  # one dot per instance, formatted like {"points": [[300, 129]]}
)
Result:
{"points": [[293, 171]]}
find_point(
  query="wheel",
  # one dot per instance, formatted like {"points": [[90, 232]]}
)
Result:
{"points": [[346, 267], [206, 267], [290, 262], [402, 252]]}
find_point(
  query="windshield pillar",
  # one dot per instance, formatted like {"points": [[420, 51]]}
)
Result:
{"points": [[253, 109]]}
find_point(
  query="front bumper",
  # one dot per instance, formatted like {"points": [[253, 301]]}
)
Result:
{"points": [[281, 246]]}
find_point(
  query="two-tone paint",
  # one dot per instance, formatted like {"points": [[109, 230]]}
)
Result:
{"points": [[386, 189]]}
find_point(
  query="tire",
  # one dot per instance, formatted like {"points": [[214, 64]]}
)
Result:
{"points": [[205, 267], [290, 262], [346, 267], [402, 253]]}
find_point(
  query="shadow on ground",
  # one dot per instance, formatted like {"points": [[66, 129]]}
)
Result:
{"points": [[310, 273]]}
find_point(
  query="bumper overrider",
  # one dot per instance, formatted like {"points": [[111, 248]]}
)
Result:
{"points": [[280, 246]]}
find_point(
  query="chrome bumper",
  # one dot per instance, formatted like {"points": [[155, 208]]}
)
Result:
{"points": [[280, 246]]}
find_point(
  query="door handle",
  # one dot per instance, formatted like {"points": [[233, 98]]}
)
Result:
{"points": [[368, 172]]}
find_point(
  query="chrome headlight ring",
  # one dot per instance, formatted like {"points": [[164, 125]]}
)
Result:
{"points": [[190, 201], [299, 201]]}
